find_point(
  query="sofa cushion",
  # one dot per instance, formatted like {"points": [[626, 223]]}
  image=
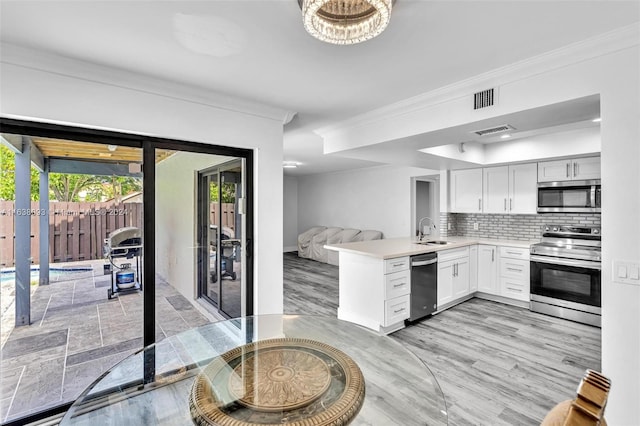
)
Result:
{"points": [[304, 240], [318, 241]]}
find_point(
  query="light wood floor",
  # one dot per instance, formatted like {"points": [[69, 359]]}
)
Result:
{"points": [[496, 364]]}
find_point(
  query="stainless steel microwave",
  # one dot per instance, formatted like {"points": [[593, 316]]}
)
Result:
{"points": [[574, 196]]}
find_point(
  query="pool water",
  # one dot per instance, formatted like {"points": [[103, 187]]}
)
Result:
{"points": [[55, 274]]}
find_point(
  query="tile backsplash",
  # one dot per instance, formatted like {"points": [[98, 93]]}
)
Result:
{"points": [[509, 227]]}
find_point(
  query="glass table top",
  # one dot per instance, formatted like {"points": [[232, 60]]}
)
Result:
{"points": [[269, 369]]}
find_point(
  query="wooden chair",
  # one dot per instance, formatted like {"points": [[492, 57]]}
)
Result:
{"points": [[587, 409]]}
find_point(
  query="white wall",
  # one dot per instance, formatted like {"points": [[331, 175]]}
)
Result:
{"points": [[615, 77], [176, 210], [290, 212], [42, 88], [377, 198]]}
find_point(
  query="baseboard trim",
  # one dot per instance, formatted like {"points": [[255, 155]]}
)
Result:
{"points": [[288, 249]]}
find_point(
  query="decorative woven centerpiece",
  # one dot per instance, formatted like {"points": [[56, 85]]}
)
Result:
{"points": [[293, 381]]}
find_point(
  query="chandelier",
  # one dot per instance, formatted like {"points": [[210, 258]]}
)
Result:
{"points": [[345, 21]]}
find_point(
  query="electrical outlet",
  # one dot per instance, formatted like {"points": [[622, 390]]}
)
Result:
{"points": [[475, 226]]}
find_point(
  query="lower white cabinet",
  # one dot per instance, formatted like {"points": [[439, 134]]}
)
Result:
{"points": [[373, 292], [488, 269], [514, 273], [453, 275], [473, 269]]}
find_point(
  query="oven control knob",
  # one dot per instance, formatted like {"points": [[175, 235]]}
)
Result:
{"points": [[596, 231], [555, 229], [546, 228]]}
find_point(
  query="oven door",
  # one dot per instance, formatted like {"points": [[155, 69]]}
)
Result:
{"points": [[576, 281]]}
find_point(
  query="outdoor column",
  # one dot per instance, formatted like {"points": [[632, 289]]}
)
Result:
{"points": [[23, 234], [44, 225]]}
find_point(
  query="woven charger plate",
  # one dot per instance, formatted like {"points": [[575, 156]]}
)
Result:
{"points": [[293, 381]]}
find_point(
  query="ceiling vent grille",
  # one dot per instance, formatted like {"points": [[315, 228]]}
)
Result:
{"points": [[483, 99], [494, 130]]}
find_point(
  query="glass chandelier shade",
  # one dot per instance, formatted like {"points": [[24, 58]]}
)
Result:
{"points": [[345, 21]]}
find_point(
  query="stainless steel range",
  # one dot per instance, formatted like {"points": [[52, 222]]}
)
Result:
{"points": [[565, 273]]}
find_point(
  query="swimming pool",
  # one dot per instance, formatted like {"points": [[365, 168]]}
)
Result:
{"points": [[55, 274]]}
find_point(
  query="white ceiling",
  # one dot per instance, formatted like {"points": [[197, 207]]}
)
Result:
{"points": [[259, 50]]}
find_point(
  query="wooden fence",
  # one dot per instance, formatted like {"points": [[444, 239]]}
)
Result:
{"points": [[77, 230]]}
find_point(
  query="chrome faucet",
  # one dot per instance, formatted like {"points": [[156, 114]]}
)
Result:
{"points": [[420, 231]]}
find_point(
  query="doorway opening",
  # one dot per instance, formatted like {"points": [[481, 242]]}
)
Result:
{"points": [[425, 206]]}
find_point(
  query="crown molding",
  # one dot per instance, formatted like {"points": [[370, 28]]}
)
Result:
{"points": [[55, 64], [604, 44]]}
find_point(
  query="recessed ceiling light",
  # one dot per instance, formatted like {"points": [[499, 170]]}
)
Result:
{"points": [[597, 120], [290, 164], [505, 136]]}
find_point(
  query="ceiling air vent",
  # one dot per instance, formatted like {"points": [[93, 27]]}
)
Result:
{"points": [[483, 99], [494, 130]]}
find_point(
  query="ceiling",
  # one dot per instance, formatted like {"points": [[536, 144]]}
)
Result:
{"points": [[259, 50]]}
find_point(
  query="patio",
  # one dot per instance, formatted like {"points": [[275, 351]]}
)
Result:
{"points": [[76, 334]]}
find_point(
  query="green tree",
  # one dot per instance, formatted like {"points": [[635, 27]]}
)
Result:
{"points": [[65, 187], [8, 176], [228, 192]]}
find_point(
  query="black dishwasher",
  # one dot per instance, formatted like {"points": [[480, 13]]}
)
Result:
{"points": [[424, 290]]}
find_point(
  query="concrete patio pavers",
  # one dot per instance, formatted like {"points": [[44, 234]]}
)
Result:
{"points": [[76, 334]]}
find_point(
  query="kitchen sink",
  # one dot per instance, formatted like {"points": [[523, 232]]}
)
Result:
{"points": [[434, 242]]}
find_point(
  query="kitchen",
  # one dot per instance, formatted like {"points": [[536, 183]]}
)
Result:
{"points": [[491, 267]]}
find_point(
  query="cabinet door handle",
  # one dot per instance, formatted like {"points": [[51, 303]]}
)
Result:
{"points": [[492, 254], [398, 264], [398, 285], [398, 311], [505, 204], [514, 289], [575, 169], [510, 203], [514, 269], [568, 166], [514, 252], [479, 204]]}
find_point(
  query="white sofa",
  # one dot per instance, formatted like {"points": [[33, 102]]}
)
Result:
{"points": [[311, 242]]}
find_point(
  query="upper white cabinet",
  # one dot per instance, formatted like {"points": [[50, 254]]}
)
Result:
{"points": [[510, 189], [466, 191], [569, 169], [495, 189], [523, 189]]}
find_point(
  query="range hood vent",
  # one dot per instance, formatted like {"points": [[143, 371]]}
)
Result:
{"points": [[494, 130], [483, 99]]}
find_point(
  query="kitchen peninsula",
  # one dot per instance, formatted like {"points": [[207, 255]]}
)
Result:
{"points": [[375, 276]]}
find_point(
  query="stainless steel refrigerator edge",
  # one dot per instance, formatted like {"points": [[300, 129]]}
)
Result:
{"points": [[424, 285]]}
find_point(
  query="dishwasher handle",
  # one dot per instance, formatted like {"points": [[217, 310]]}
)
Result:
{"points": [[424, 263]]}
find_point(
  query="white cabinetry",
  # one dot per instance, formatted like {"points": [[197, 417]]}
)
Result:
{"points": [[453, 275], [514, 273], [466, 191], [510, 189], [473, 269], [523, 189], [374, 292], [487, 269], [569, 169]]}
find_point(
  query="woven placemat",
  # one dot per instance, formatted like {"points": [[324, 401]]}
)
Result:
{"points": [[293, 381]]}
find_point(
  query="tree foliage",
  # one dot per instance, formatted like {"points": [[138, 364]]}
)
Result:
{"points": [[8, 176], [66, 187], [228, 192]]}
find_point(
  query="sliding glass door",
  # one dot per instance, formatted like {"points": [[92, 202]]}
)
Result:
{"points": [[221, 224]]}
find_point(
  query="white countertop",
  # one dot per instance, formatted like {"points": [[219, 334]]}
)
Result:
{"points": [[406, 246]]}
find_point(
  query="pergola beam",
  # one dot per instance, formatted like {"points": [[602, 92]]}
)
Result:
{"points": [[61, 165]]}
